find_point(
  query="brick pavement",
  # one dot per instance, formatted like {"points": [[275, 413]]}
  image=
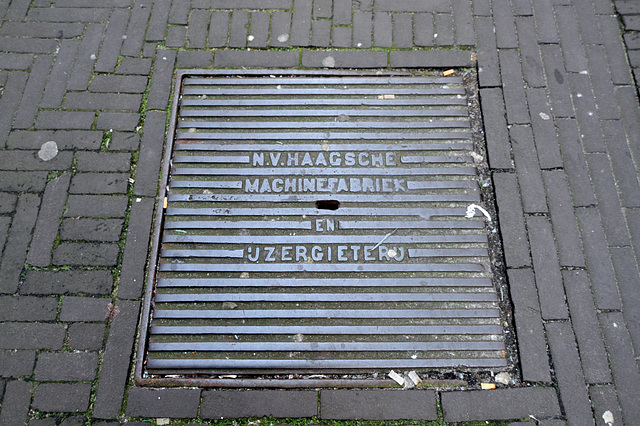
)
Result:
{"points": [[562, 123]]}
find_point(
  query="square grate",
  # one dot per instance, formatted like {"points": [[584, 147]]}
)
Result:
{"points": [[316, 225]]}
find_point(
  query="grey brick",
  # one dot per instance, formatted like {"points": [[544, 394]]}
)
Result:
{"points": [[301, 24], [322, 9], [463, 18], [84, 309], [547, 269], [342, 12], [622, 163], [15, 61], [251, 4], [134, 66], [29, 160], [9, 102], [528, 170], [431, 58], [342, 59], [7, 203], [587, 23], [18, 10], [140, 13], [22, 181], [88, 51], [179, 12], [423, 29], [545, 21], [59, 77], [544, 130], [604, 286], [412, 5], [22, 335], [362, 29], [161, 80], [119, 84], [68, 14], [557, 81], [402, 30], [238, 31], [62, 397], [91, 229], [96, 206], [124, 141], [626, 270], [603, 399], [498, 145], [563, 219], [150, 154], [17, 363], [158, 20], [631, 22], [219, 29], [530, 330], [15, 405], [26, 113], [321, 33], [502, 404], [68, 367], [444, 29], [488, 64], [103, 162], [593, 355], [48, 221], [633, 221], [383, 30], [623, 363], [482, 8], [504, 24], [514, 234], [99, 101], [256, 58], [28, 45], [378, 404], [601, 83], [522, 7], [575, 163], [566, 361], [628, 99], [197, 29], [126, 121], [65, 120], [608, 202], [614, 49], [174, 403], [67, 282], [99, 183], [259, 29], [19, 238], [86, 336], [117, 27], [135, 250], [86, 254], [176, 36], [530, 52], [28, 308], [574, 56], [259, 403], [194, 59], [115, 365], [513, 87], [341, 37]]}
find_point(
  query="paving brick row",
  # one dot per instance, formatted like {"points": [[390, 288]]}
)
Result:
{"points": [[430, 58], [62, 397], [412, 5], [339, 59], [96, 206], [568, 370], [601, 83], [575, 163], [28, 45], [487, 51], [174, 403], [626, 271], [99, 183], [608, 201], [545, 21], [622, 163], [530, 52], [498, 143], [563, 219], [68, 14], [587, 23], [530, 329], [28, 308], [19, 238], [504, 24], [251, 4], [16, 401], [574, 55], [99, 101], [513, 87], [26, 113], [19, 335], [586, 113], [225, 404], [341, 404], [9, 102], [59, 77], [68, 367], [14, 364], [556, 81], [86, 336], [146, 182], [614, 49], [87, 54], [95, 282], [86, 254], [544, 130], [623, 364], [135, 32], [161, 80], [58, 120], [528, 170], [30, 160], [514, 234]]}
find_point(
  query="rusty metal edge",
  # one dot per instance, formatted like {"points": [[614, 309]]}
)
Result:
{"points": [[155, 245]]}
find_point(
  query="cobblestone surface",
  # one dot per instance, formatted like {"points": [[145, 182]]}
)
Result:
{"points": [[559, 98]]}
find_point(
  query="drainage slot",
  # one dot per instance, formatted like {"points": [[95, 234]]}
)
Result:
{"points": [[327, 205]]}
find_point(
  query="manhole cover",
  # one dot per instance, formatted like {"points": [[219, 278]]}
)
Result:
{"points": [[316, 225]]}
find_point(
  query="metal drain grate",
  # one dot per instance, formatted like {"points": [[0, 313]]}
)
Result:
{"points": [[317, 224]]}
